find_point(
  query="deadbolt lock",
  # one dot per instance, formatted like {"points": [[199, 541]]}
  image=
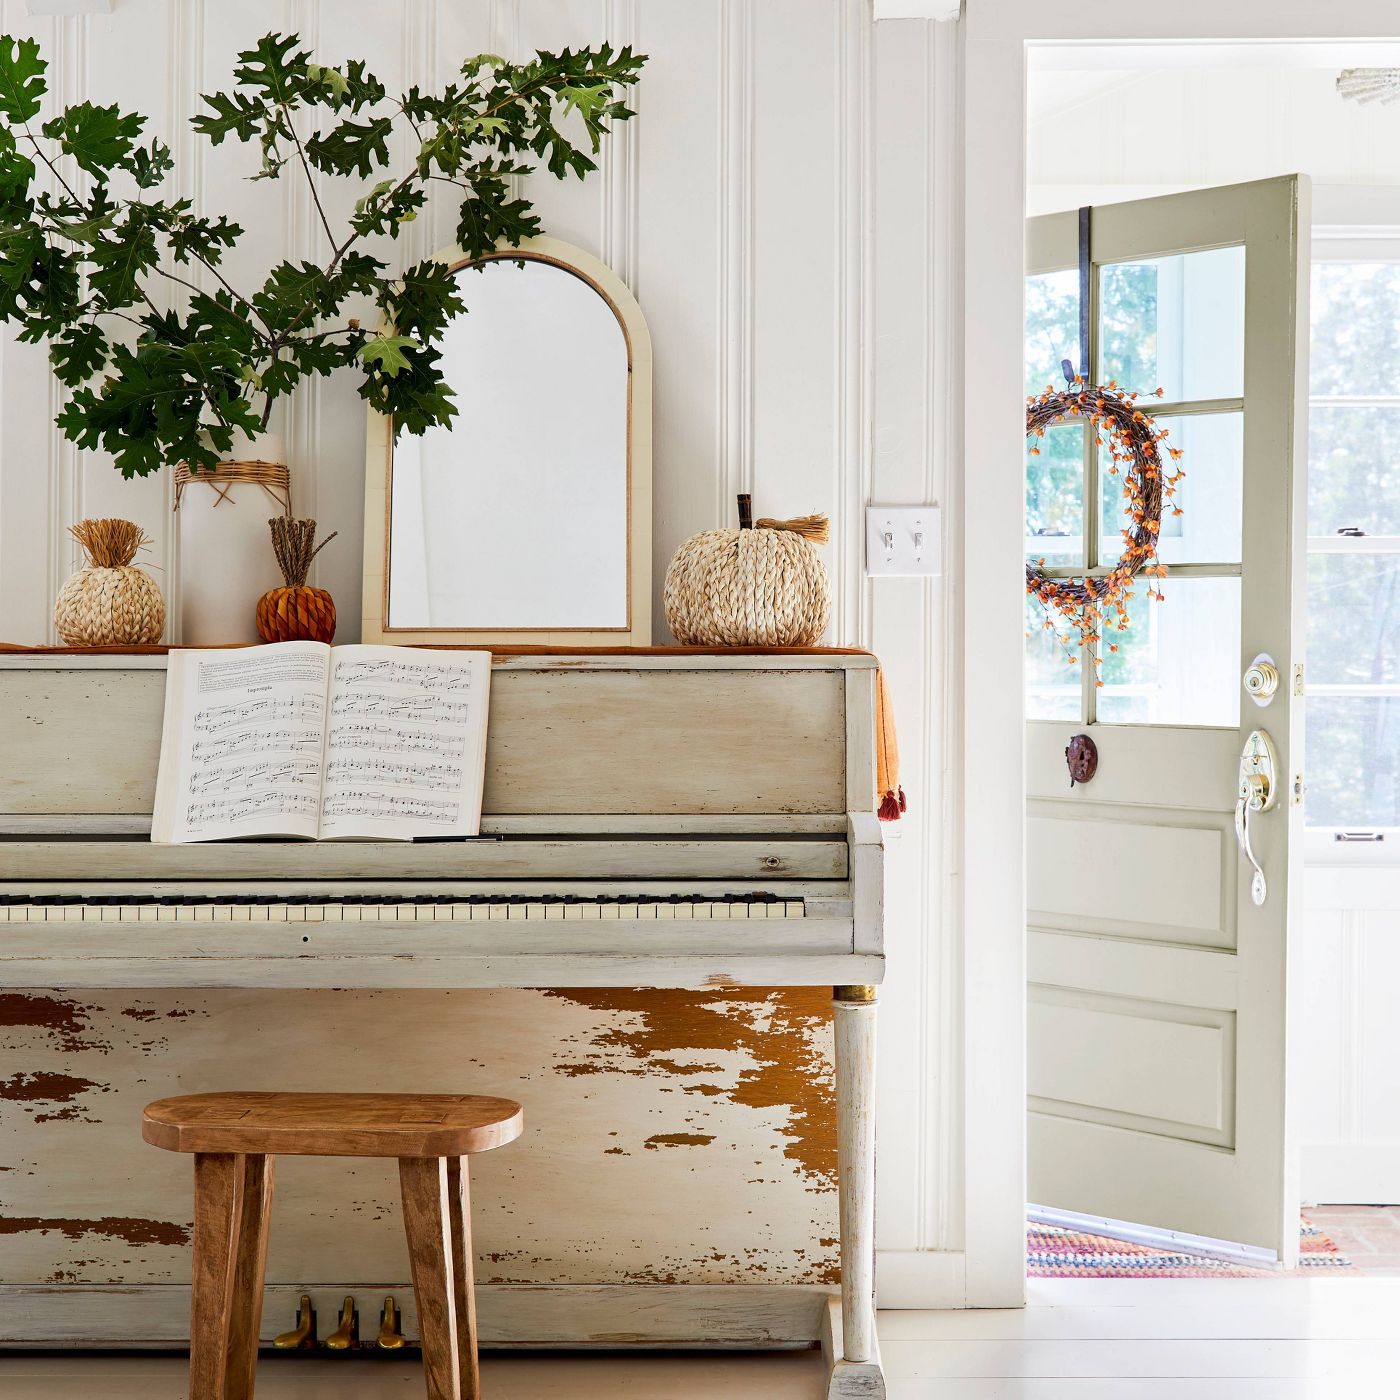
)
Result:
{"points": [[1261, 679]]}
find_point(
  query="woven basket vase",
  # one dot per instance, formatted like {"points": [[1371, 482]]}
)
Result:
{"points": [[109, 602], [737, 588]]}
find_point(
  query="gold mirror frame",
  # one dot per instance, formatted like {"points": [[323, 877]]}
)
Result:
{"points": [[379, 472]]}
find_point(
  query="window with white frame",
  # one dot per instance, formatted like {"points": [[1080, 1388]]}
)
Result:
{"points": [[1353, 667]]}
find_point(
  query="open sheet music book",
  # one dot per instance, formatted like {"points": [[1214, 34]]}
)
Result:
{"points": [[303, 739]]}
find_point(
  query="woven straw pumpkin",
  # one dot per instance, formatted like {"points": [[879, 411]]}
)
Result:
{"points": [[109, 602], [760, 586], [296, 612]]}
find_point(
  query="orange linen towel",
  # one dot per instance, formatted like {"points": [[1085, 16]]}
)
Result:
{"points": [[892, 801]]}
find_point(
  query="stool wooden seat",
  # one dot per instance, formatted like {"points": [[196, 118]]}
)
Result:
{"points": [[235, 1139]]}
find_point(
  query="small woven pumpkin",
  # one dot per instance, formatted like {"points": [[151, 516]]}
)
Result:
{"points": [[297, 612], [763, 585], [109, 601]]}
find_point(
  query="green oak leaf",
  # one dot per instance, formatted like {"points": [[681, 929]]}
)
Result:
{"points": [[22, 82], [387, 351], [98, 138]]}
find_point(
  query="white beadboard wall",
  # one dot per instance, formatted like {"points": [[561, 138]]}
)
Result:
{"points": [[785, 207]]}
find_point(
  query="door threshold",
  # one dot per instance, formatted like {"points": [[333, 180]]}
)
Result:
{"points": [[1153, 1237]]}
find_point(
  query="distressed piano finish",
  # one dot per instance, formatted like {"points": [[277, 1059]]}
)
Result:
{"points": [[614, 782]]}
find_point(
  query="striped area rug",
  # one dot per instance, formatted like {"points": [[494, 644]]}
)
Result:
{"points": [[1054, 1252]]}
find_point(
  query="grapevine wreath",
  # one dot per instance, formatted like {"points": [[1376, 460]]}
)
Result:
{"points": [[1090, 605]]}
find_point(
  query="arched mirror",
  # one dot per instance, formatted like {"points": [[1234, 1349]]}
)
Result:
{"points": [[527, 520]]}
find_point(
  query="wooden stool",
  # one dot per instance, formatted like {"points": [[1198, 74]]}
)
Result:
{"points": [[235, 1139]]}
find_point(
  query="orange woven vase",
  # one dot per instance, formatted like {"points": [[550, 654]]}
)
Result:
{"points": [[296, 612]]}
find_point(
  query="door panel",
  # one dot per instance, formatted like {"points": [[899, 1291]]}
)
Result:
{"points": [[1158, 988]]}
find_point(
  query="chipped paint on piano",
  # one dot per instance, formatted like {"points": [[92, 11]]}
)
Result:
{"points": [[672, 1136], [677, 1181]]}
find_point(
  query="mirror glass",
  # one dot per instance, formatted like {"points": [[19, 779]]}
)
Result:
{"points": [[516, 516]]}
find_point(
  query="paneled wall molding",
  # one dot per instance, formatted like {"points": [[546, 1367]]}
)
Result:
{"points": [[734, 419], [788, 207]]}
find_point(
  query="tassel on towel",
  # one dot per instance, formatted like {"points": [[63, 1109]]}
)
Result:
{"points": [[892, 802]]}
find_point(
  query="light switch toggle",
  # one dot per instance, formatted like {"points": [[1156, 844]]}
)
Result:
{"points": [[903, 540]]}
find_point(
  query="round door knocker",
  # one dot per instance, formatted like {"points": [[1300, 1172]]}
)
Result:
{"points": [[1082, 759]]}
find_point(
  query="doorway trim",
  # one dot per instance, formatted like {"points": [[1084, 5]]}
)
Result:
{"points": [[996, 36]]}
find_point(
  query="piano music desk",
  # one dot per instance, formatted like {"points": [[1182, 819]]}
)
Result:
{"points": [[652, 819]]}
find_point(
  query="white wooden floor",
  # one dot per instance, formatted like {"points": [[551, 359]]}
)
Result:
{"points": [[1080, 1339]]}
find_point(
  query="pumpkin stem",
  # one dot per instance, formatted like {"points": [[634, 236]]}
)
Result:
{"points": [[109, 544], [294, 544], [811, 527]]}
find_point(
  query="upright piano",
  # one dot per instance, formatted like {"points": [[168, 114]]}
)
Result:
{"points": [[663, 819]]}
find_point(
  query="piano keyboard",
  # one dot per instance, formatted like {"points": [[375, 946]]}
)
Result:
{"points": [[385, 908]]}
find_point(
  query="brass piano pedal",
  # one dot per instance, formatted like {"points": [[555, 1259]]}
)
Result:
{"points": [[302, 1337], [346, 1337], [390, 1337]]}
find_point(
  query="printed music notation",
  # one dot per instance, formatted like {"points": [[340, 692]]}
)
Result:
{"points": [[301, 739], [249, 741], [384, 738], [347, 803], [240, 777], [303, 711], [400, 730], [251, 805], [422, 675], [418, 708], [395, 772]]}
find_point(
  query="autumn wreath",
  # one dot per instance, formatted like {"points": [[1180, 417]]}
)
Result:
{"points": [[1088, 605]]}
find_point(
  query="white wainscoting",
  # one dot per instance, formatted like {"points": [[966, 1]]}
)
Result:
{"points": [[786, 209], [1348, 971]]}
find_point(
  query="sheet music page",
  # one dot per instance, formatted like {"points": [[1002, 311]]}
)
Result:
{"points": [[241, 750], [405, 743]]}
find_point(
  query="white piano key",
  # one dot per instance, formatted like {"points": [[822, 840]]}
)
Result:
{"points": [[111, 913], [148, 913], [665, 911], [498, 911], [332, 913], [240, 913], [223, 913], [406, 912]]}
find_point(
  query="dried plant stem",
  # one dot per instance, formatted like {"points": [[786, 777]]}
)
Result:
{"points": [[294, 543], [109, 544], [816, 528]]}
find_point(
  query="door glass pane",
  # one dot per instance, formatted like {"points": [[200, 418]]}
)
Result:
{"points": [[1052, 327], [1179, 660], [1353, 469], [1176, 323], [1210, 497], [1055, 496], [1053, 688], [1353, 761], [1356, 328], [1353, 619]]}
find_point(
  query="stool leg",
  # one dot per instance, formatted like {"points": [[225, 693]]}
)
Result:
{"points": [[250, 1264], [427, 1223], [459, 1212], [218, 1204]]}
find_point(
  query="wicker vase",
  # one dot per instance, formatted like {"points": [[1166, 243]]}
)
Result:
{"points": [[221, 516], [761, 586], [109, 602], [296, 612]]}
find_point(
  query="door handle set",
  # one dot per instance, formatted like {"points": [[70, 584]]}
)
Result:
{"points": [[1257, 793]]}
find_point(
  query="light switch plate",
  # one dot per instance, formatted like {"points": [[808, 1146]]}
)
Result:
{"points": [[904, 540]]}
